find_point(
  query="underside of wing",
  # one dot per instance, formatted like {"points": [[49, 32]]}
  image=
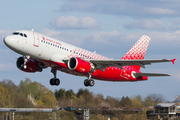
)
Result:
{"points": [[149, 74]]}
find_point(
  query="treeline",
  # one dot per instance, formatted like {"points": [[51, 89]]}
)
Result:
{"points": [[30, 94], [85, 98], [27, 94], [33, 94]]}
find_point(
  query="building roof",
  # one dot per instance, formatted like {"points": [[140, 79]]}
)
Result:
{"points": [[165, 104]]}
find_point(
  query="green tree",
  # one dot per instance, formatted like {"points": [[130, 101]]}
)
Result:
{"points": [[70, 94], [42, 95], [125, 102], [60, 94], [85, 98], [80, 92], [136, 103], [112, 101], [26, 87], [139, 98], [147, 101], [4, 97], [46, 97], [12, 90], [99, 101]]}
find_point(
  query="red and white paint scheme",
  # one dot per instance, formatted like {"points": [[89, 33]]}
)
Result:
{"points": [[40, 52]]}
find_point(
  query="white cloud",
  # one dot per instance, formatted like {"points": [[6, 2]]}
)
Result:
{"points": [[103, 37], [128, 8], [72, 22], [160, 11], [166, 36], [150, 24]]}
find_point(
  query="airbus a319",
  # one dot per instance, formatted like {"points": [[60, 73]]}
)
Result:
{"points": [[39, 52]]}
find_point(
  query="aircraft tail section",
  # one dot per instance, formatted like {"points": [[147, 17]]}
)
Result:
{"points": [[138, 51], [149, 74]]}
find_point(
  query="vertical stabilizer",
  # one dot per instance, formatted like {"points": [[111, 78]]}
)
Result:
{"points": [[138, 51]]}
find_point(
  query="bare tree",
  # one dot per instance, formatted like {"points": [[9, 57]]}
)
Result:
{"points": [[154, 99]]}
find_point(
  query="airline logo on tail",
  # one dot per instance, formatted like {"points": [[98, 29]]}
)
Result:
{"points": [[138, 51]]}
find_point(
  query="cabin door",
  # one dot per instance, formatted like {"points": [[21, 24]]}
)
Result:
{"points": [[36, 40]]}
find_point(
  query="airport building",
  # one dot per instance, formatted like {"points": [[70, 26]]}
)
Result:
{"points": [[165, 111]]}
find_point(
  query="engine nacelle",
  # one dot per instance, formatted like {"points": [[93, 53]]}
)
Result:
{"points": [[30, 66], [80, 65]]}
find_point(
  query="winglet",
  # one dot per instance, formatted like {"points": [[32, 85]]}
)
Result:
{"points": [[173, 60]]}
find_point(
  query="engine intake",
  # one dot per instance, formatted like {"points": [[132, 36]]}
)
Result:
{"points": [[30, 66], [80, 65]]}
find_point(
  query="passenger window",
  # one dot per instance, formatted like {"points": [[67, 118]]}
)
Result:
{"points": [[21, 34], [67, 49]]}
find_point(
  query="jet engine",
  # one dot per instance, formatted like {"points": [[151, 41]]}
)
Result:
{"points": [[80, 65], [28, 65]]}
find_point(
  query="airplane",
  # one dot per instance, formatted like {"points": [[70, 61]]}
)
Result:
{"points": [[39, 52]]}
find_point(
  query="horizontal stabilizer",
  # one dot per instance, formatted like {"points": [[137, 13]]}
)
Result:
{"points": [[149, 74]]}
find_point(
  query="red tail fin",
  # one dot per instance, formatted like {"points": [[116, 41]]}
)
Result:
{"points": [[138, 51]]}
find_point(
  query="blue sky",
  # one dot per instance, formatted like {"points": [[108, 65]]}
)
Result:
{"points": [[110, 27]]}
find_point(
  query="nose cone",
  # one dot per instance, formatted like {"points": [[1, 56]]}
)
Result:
{"points": [[8, 41]]}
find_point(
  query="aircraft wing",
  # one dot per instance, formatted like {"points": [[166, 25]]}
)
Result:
{"points": [[102, 64]]}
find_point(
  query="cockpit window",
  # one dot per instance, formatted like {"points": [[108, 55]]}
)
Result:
{"points": [[21, 34], [16, 33], [25, 35]]}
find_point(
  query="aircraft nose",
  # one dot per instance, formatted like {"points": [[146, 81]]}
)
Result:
{"points": [[8, 40], [4, 39]]}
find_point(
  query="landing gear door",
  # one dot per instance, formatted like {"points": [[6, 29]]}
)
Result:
{"points": [[36, 40]]}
